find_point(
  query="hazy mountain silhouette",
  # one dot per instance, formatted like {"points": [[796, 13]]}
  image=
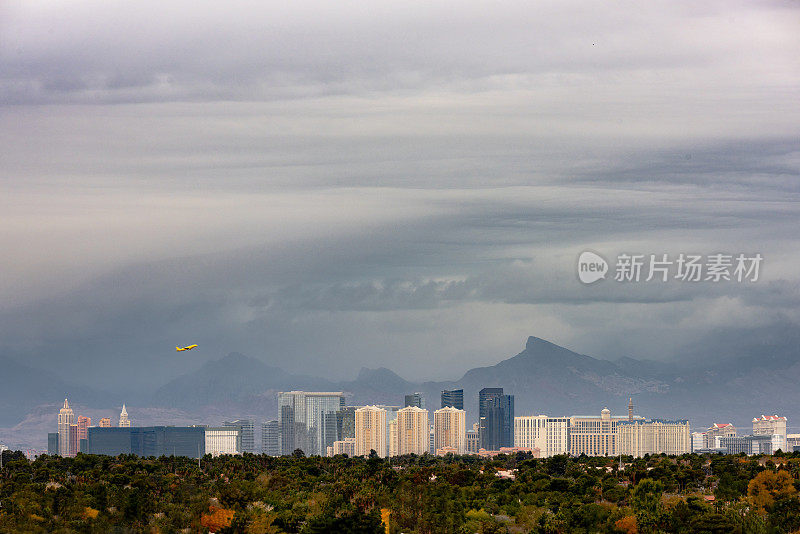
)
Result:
{"points": [[22, 388]]}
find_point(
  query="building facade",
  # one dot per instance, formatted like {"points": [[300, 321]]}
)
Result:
{"points": [[548, 434], [83, 424], [449, 429], [346, 446], [371, 430], [413, 431], [124, 420], [415, 399], [307, 420], [453, 398], [147, 441], [771, 425], [718, 430], [473, 440], [657, 436], [246, 429], [105, 422], [592, 435], [66, 418], [52, 443], [270, 438], [749, 445], [223, 440], [496, 418]]}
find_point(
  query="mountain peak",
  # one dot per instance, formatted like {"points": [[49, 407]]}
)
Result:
{"points": [[534, 342]]}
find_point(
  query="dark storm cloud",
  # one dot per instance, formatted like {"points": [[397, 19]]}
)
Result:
{"points": [[326, 186]]}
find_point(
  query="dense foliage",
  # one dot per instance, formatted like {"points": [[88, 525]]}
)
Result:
{"points": [[261, 494]]}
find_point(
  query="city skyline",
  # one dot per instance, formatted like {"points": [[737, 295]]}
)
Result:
{"points": [[390, 431]]}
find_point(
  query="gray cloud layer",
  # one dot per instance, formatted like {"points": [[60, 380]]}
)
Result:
{"points": [[409, 185]]}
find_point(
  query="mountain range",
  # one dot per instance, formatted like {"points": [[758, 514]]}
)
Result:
{"points": [[544, 378]]}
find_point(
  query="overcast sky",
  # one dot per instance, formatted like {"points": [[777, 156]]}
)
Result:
{"points": [[330, 185]]}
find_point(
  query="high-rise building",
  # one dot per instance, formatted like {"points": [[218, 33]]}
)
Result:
{"points": [[392, 443], [346, 422], [83, 424], [74, 444], [66, 418], [496, 412], [771, 425], [718, 430], [270, 438], [308, 420], [656, 436], [594, 436], [548, 434], [415, 399], [473, 440], [246, 429], [449, 429], [52, 443], [124, 421], [413, 431], [485, 397], [371, 431], [453, 398], [105, 422], [223, 440]]}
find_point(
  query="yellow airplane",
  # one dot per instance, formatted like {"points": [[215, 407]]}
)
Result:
{"points": [[181, 349]]}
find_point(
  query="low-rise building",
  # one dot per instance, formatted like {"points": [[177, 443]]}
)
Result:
{"points": [[749, 445], [345, 446]]}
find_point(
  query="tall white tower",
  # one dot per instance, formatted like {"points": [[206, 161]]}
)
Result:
{"points": [[65, 420], [123, 418]]}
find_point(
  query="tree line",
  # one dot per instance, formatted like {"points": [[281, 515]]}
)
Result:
{"points": [[258, 494]]}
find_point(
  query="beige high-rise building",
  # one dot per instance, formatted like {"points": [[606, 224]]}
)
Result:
{"points": [[449, 429], [105, 422], [371, 430], [413, 431], [66, 418], [124, 421], [656, 436], [594, 436], [548, 434], [391, 434]]}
